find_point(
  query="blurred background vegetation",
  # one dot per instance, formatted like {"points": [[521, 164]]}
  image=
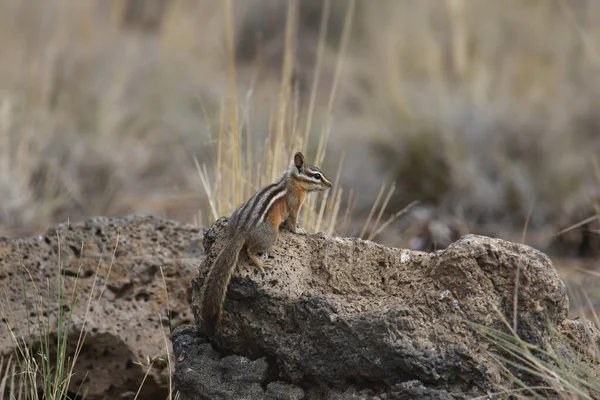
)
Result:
{"points": [[485, 112]]}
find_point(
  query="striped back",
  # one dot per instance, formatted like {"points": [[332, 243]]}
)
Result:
{"points": [[253, 212]]}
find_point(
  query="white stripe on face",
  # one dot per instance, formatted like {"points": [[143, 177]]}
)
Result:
{"points": [[306, 178]]}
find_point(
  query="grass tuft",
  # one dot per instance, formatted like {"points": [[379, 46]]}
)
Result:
{"points": [[565, 367], [232, 184], [43, 365]]}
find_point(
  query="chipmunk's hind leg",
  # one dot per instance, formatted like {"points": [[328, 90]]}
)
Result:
{"points": [[259, 241]]}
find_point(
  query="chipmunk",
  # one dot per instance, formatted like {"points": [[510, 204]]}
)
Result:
{"points": [[255, 225]]}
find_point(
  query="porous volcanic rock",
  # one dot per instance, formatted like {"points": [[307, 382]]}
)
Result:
{"points": [[127, 325], [344, 318]]}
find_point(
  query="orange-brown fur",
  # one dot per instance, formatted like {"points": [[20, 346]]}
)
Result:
{"points": [[294, 203], [278, 212]]}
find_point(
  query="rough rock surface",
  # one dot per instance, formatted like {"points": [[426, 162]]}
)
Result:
{"points": [[344, 318], [129, 323]]}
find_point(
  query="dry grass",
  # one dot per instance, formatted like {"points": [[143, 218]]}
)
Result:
{"points": [[243, 166], [563, 366], [43, 365], [483, 118], [480, 111], [566, 368]]}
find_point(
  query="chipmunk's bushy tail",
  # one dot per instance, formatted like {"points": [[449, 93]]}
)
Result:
{"points": [[216, 282]]}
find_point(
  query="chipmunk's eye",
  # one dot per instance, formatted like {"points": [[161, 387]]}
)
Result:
{"points": [[317, 176]]}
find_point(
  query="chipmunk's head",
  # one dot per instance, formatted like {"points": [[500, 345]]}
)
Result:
{"points": [[309, 177]]}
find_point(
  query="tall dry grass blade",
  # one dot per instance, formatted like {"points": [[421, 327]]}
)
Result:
{"points": [[491, 395], [88, 308], [169, 364], [592, 308], [336, 197], [223, 174], [456, 11], [393, 217], [149, 365], [588, 39], [505, 323], [524, 234], [338, 174], [201, 101], [503, 341], [372, 211], [313, 200], [295, 141], [540, 368], [220, 151], [249, 146], [286, 77], [233, 117], [337, 200], [337, 73], [62, 347], [516, 296], [596, 168], [324, 25], [382, 209], [7, 370], [321, 211], [270, 149], [207, 189], [577, 225], [349, 209], [587, 342]]}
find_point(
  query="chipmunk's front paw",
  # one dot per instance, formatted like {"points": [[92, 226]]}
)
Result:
{"points": [[300, 231]]}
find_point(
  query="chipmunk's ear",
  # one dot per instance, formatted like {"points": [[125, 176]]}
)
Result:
{"points": [[299, 161]]}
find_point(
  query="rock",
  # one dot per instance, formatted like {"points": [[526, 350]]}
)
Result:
{"points": [[203, 373], [344, 318], [129, 324]]}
